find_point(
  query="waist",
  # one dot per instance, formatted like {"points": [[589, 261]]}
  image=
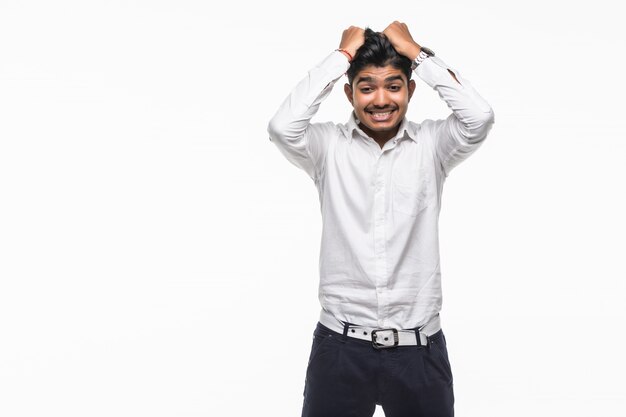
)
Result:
{"points": [[429, 328]]}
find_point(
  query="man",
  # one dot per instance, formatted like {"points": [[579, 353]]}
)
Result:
{"points": [[380, 179]]}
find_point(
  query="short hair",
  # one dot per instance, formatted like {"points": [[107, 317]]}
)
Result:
{"points": [[377, 51]]}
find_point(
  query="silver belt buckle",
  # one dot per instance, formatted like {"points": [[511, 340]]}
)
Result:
{"points": [[385, 338]]}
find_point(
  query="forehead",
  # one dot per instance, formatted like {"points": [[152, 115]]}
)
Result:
{"points": [[379, 74]]}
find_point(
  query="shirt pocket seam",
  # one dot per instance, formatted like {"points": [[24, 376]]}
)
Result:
{"points": [[411, 199]]}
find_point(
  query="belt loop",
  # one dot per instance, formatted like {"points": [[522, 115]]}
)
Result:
{"points": [[419, 339], [417, 336], [345, 332]]}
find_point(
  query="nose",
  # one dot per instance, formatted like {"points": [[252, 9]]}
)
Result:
{"points": [[380, 98]]}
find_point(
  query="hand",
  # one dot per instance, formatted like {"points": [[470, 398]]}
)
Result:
{"points": [[352, 39], [402, 41]]}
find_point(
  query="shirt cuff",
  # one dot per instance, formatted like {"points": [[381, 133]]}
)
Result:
{"points": [[334, 65], [433, 69]]}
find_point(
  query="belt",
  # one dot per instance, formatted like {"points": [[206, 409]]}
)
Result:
{"points": [[382, 338]]}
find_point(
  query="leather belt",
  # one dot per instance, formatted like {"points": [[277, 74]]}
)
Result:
{"points": [[382, 338]]}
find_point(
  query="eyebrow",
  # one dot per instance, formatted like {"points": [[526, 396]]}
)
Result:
{"points": [[387, 80]]}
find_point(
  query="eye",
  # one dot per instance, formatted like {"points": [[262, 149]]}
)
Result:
{"points": [[366, 90], [395, 87]]}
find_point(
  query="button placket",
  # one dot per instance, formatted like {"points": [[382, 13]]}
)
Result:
{"points": [[379, 233]]}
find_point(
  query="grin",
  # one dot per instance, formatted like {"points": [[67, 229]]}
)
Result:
{"points": [[381, 116]]}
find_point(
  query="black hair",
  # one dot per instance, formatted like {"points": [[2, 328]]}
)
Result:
{"points": [[377, 51]]}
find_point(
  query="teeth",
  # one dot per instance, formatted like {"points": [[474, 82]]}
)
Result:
{"points": [[381, 116]]}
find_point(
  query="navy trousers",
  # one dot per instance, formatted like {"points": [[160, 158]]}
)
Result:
{"points": [[347, 377]]}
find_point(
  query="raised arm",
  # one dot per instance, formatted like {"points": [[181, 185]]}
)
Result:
{"points": [[459, 135], [291, 130]]}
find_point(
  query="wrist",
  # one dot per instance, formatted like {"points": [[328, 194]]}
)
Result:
{"points": [[346, 53], [414, 52]]}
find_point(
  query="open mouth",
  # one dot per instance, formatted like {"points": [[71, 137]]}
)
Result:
{"points": [[381, 116]]}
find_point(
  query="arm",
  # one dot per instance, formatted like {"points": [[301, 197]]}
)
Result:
{"points": [[461, 133], [302, 142]]}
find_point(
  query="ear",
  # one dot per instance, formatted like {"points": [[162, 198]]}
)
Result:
{"points": [[347, 88], [411, 88]]}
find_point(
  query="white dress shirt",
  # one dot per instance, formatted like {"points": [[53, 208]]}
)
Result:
{"points": [[379, 256]]}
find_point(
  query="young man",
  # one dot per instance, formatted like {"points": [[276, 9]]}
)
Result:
{"points": [[380, 179]]}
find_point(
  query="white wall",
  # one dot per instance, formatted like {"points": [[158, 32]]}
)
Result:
{"points": [[147, 222]]}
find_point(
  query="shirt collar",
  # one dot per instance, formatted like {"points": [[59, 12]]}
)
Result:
{"points": [[403, 131]]}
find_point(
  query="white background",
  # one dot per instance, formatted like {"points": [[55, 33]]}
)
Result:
{"points": [[158, 255]]}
